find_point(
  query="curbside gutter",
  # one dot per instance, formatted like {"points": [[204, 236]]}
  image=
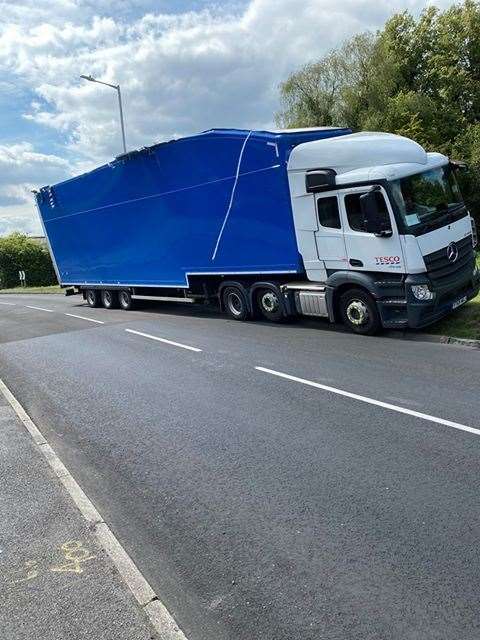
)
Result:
{"points": [[465, 342], [430, 337]]}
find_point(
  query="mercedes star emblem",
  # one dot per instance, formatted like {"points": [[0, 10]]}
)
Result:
{"points": [[452, 252]]}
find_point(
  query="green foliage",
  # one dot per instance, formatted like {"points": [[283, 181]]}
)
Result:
{"points": [[418, 77], [462, 323], [318, 92], [18, 252]]}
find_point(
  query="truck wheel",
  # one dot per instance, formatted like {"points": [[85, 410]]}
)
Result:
{"points": [[269, 304], [234, 303], [125, 300], [109, 299], [359, 312], [92, 297]]}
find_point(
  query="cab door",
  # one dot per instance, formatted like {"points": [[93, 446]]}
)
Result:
{"points": [[329, 237], [366, 251]]}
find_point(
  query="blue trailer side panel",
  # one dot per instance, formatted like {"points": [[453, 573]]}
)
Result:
{"points": [[214, 203]]}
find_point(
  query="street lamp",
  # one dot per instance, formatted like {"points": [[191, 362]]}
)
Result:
{"points": [[117, 88]]}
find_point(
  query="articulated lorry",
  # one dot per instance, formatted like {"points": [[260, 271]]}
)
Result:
{"points": [[364, 228]]}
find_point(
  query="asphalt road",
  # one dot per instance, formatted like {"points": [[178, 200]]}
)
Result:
{"points": [[260, 506]]}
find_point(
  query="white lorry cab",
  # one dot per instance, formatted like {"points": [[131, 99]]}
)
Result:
{"points": [[384, 233]]}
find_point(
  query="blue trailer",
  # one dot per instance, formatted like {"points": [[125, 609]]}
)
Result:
{"points": [[214, 203], [179, 218], [309, 221]]}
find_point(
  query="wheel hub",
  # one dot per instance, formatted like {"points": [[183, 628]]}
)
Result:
{"points": [[270, 301], [235, 304], [357, 312]]}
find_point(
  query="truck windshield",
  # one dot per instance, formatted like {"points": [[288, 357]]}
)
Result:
{"points": [[424, 198]]}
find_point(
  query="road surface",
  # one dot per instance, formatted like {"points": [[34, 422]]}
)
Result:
{"points": [[270, 481]]}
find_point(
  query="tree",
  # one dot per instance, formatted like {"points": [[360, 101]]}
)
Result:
{"points": [[18, 252], [318, 92], [418, 77]]}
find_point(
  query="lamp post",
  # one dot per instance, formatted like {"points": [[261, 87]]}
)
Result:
{"points": [[117, 88]]}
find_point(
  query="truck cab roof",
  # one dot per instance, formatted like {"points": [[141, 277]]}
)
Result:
{"points": [[364, 156]]}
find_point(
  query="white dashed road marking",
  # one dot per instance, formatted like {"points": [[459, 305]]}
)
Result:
{"points": [[39, 308], [72, 315], [378, 403], [175, 344]]}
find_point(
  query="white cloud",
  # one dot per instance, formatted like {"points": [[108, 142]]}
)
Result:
{"points": [[179, 73], [21, 170]]}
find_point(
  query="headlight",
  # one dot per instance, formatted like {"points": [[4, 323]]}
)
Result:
{"points": [[422, 292], [474, 232]]}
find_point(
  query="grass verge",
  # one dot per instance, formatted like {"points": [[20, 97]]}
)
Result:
{"points": [[52, 289]]}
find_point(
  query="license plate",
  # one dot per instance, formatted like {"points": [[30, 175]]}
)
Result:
{"points": [[458, 303]]}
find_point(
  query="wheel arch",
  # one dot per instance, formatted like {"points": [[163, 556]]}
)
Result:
{"points": [[340, 282]]}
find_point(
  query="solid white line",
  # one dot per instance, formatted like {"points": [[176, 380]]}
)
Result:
{"points": [[39, 308], [161, 620], [378, 403], [175, 344], [72, 315], [10, 304]]}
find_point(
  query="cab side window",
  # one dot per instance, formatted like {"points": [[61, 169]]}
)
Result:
{"points": [[354, 212], [328, 213]]}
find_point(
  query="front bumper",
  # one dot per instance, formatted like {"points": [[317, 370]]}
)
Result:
{"points": [[408, 312], [421, 315]]}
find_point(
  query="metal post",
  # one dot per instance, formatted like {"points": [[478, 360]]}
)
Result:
{"points": [[117, 87], [121, 118]]}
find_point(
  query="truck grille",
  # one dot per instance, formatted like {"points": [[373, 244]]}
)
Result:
{"points": [[444, 273]]}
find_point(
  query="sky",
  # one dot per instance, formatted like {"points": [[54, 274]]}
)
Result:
{"points": [[183, 65]]}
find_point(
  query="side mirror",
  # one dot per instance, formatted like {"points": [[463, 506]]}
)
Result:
{"points": [[374, 218]]}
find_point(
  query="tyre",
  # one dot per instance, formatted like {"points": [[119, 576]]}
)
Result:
{"points": [[92, 296], [125, 300], [359, 312], [110, 299], [269, 304], [235, 303]]}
